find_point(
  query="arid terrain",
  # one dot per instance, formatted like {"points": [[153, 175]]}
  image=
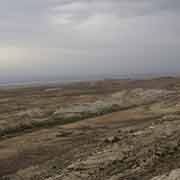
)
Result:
{"points": [[99, 130]]}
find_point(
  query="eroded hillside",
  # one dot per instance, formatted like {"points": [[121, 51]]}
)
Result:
{"points": [[114, 129]]}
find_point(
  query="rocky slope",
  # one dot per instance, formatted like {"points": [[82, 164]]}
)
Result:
{"points": [[141, 140]]}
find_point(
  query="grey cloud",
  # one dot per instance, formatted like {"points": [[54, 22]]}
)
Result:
{"points": [[68, 36], [121, 7]]}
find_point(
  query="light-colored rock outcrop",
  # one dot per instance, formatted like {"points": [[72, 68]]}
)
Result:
{"points": [[173, 175]]}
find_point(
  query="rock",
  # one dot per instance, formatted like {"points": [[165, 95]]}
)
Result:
{"points": [[112, 139], [171, 117], [173, 175]]}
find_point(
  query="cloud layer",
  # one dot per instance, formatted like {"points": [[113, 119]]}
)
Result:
{"points": [[65, 37]]}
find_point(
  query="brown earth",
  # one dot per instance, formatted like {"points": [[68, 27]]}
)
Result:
{"points": [[141, 141]]}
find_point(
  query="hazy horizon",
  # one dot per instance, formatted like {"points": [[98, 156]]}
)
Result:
{"points": [[92, 77], [54, 39]]}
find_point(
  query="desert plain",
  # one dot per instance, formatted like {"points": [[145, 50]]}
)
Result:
{"points": [[114, 129]]}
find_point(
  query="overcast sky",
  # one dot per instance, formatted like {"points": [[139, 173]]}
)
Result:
{"points": [[41, 38]]}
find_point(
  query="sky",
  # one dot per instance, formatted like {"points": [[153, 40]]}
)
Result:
{"points": [[59, 38]]}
